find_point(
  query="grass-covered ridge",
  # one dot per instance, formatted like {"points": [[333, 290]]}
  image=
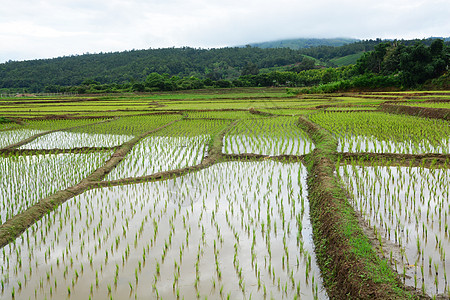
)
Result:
{"points": [[349, 264]]}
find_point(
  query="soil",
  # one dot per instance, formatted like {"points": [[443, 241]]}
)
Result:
{"points": [[416, 160], [346, 274], [261, 113], [252, 157]]}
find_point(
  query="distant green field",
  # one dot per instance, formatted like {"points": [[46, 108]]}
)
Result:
{"points": [[346, 60], [264, 99]]}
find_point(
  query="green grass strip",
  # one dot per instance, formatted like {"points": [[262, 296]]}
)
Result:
{"points": [[350, 266]]}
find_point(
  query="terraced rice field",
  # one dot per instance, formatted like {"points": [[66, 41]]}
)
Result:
{"points": [[223, 195]]}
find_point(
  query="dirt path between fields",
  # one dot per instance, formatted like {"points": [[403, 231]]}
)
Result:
{"points": [[428, 160], [349, 264], [14, 227], [22, 152]]}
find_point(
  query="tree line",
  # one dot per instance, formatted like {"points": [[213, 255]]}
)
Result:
{"points": [[394, 64]]}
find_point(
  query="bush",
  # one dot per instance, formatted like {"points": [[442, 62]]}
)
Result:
{"points": [[4, 120], [223, 84]]}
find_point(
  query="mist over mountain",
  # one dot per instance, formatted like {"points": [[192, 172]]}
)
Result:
{"points": [[301, 43]]}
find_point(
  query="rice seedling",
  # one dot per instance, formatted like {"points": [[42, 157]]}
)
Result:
{"points": [[385, 133], [42, 175], [13, 136], [107, 228], [386, 198], [269, 136]]}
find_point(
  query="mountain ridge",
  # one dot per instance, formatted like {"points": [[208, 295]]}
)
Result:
{"points": [[301, 43]]}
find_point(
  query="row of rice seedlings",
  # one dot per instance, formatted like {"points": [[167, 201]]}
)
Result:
{"points": [[10, 137], [68, 140], [219, 114], [97, 135], [130, 126], [47, 125], [34, 127], [353, 108], [161, 153], [122, 113], [380, 132], [288, 112], [9, 126], [358, 143], [270, 136], [183, 144], [67, 108], [24, 180], [410, 207], [190, 237], [192, 128]]}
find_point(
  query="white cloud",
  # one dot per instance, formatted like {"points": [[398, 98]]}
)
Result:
{"points": [[27, 29], [38, 29]]}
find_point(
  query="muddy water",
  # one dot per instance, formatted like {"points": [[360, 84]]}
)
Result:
{"points": [[67, 140], [229, 230], [161, 153], [409, 207]]}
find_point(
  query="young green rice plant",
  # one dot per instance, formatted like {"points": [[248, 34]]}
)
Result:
{"points": [[380, 132], [180, 145], [386, 199], [42, 175], [269, 136], [196, 233], [14, 136]]}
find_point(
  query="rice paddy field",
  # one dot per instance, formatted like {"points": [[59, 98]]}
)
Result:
{"points": [[224, 194]]}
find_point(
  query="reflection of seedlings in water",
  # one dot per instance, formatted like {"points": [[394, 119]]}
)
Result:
{"points": [[14, 136], [403, 205], [67, 140], [161, 153], [381, 133], [137, 234], [41, 174], [274, 136], [182, 193]]}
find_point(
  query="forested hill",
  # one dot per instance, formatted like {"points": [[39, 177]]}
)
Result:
{"points": [[135, 66], [328, 52]]}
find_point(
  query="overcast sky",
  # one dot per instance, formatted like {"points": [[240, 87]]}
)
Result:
{"points": [[31, 29]]}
